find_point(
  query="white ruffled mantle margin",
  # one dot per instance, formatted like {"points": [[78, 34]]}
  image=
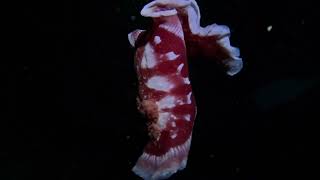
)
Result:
{"points": [[191, 9], [234, 63]]}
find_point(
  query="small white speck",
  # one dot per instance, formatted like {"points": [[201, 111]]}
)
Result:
{"points": [[237, 170], [173, 124], [173, 116], [269, 28], [133, 18], [179, 102], [173, 136]]}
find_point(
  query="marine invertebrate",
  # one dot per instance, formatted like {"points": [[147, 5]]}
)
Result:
{"points": [[165, 92]]}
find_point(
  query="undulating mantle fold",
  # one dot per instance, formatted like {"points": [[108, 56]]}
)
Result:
{"points": [[165, 93]]}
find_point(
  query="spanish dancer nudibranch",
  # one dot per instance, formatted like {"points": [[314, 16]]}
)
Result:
{"points": [[165, 92]]}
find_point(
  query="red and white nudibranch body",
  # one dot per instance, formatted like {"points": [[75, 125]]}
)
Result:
{"points": [[165, 92]]}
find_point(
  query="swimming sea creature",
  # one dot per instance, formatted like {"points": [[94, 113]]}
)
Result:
{"points": [[165, 92]]}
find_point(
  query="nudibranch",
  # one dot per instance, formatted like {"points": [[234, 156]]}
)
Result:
{"points": [[165, 94]]}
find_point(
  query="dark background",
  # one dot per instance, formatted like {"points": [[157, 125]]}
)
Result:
{"points": [[71, 95]]}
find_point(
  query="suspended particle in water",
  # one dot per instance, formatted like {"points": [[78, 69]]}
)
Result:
{"points": [[133, 18]]}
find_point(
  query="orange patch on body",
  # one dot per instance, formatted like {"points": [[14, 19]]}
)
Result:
{"points": [[150, 109]]}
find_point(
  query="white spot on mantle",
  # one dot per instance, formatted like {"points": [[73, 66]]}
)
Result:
{"points": [[157, 40], [173, 135], [172, 56], [173, 124], [269, 28], [186, 80], [159, 83], [180, 68], [187, 117], [163, 119], [166, 102], [144, 62], [189, 98], [148, 59]]}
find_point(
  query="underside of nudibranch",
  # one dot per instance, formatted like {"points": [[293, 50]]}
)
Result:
{"points": [[165, 92]]}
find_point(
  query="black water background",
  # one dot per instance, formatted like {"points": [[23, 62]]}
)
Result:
{"points": [[71, 96]]}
